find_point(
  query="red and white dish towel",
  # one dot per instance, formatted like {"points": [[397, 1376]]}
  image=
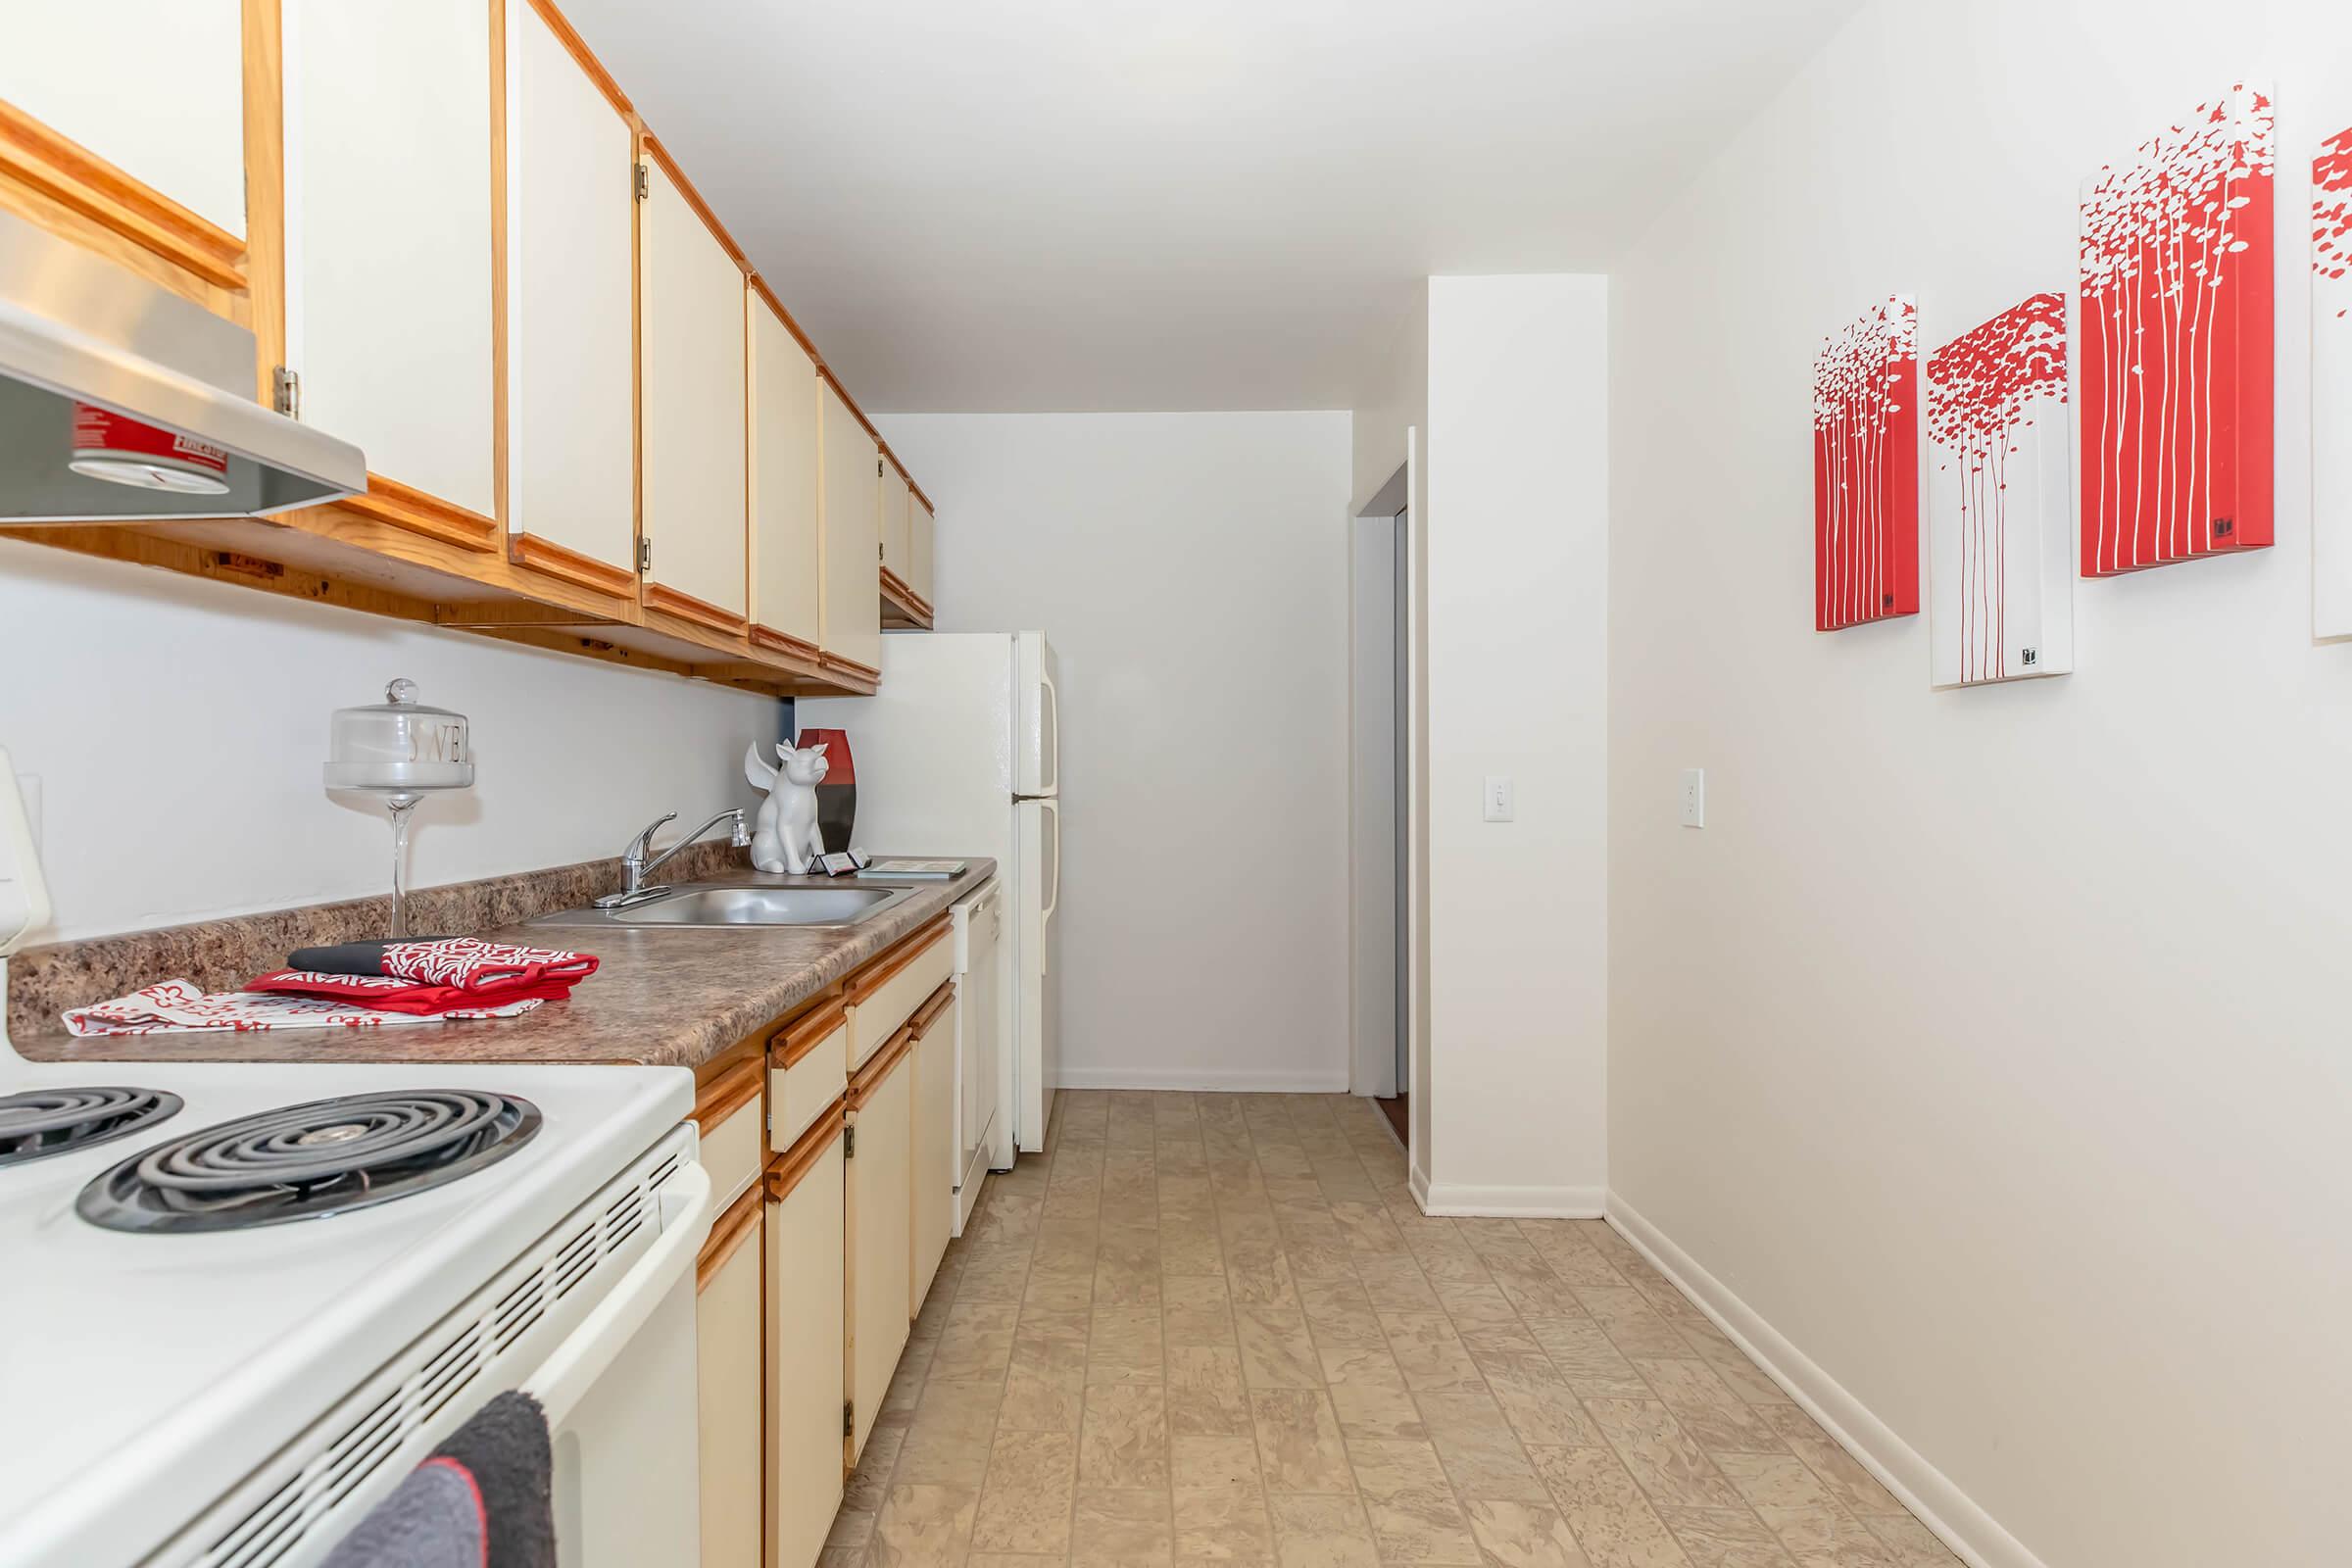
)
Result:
{"points": [[179, 1007]]}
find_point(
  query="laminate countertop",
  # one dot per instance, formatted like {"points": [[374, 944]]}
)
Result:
{"points": [[665, 997]]}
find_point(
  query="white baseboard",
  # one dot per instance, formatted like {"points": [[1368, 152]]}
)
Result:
{"points": [[1460, 1201], [1418, 1181], [1210, 1080], [1955, 1517]]}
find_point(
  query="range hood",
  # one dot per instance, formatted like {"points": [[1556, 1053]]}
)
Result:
{"points": [[121, 400]]}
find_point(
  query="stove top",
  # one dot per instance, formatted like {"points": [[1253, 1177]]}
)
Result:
{"points": [[308, 1161], [40, 1122]]}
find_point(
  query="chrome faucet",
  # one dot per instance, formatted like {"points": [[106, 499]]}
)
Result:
{"points": [[636, 866]]}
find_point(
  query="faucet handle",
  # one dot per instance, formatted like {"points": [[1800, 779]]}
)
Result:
{"points": [[741, 838], [644, 841]]}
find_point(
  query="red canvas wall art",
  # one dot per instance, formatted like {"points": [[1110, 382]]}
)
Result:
{"points": [[2177, 293], [2332, 388], [1866, 469], [2000, 557]]}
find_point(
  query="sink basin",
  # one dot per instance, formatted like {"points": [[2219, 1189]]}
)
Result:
{"points": [[758, 906], [710, 906]]}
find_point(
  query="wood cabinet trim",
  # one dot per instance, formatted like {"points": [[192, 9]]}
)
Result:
{"points": [[738, 1225], [911, 606], [850, 670], [694, 200], [703, 613], [560, 560], [402, 506], [775, 305], [806, 1033], [77, 178], [781, 642], [796, 1162], [851, 403], [263, 29], [868, 1080], [932, 1006], [577, 47], [729, 1092], [870, 979]]}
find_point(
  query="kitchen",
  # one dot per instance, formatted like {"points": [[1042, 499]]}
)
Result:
{"points": [[569, 568]]}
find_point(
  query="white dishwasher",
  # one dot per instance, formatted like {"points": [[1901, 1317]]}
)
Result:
{"points": [[981, 1000]]}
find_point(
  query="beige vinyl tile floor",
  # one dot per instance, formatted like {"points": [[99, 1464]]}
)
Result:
{"points": [[1215, 1328]]}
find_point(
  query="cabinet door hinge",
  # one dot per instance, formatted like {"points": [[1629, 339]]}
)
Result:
{"points": [[881, 552], [286, 391], [878, 468], [645, 553], [848, 1142], [640, 181], [849, 1418]]}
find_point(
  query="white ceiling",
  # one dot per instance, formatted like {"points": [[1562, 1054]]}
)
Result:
{"points": [[980, 205]]}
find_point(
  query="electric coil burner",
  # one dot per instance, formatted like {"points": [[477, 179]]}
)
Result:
{"points": [[305, 1161], [57, 1121]]}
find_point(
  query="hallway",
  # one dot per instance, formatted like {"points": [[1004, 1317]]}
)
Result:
{"points": [[1215, 1327]]}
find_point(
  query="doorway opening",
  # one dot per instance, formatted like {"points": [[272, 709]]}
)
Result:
{"points": [[1382, 800]]}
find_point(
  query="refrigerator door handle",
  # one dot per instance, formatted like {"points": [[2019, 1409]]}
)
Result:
{"points": [[1053, 808], [1050, 755]]}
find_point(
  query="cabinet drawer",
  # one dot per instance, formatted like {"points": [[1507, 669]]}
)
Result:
{"points": [[807, 1069], [887, 996], [727, 1115]]}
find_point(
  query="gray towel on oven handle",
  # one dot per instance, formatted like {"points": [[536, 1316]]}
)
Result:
{"points": [[434, 1519]]}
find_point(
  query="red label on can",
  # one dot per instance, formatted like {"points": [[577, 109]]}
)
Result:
{"points": [[104, 430]]}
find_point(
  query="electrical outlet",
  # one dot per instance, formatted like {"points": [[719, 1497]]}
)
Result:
{"points": [[1502, 800], [1694, 797]]}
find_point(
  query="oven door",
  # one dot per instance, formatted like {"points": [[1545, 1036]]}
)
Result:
{"points": [[620, 1401]]}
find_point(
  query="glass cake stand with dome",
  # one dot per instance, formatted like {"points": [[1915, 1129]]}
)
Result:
{"points": [[401, 750]]}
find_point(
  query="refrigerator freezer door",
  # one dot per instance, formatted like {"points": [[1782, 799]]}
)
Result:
{"points": [[1037, 1058], [1037, 716], [934, 746]]}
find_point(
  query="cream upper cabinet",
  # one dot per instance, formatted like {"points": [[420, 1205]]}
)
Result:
{"points": [[784, 563], [805, 1323], [881, 1244], [726, 1329], [852, 487], [895, 499], [571, 357], [155, 87], [918, 550], [378, 221], [690, 304], [934, 1140]]}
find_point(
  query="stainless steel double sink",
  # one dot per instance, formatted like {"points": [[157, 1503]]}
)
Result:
{"points": [[719, 905]]}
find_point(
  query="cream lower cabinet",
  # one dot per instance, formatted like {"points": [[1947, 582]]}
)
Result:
{"points": [[727, 1350], [933, 1140], [807, 1191], [881, 1211]]}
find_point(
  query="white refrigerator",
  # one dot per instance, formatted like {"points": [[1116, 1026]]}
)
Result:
{"points": [[959, 754]]}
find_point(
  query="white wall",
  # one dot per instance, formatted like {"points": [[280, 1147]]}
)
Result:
{"points": [[1191, 573], [1989, 1044], [177, 728], [1517, 541]]}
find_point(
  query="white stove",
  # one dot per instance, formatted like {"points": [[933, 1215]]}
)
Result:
{"points": [[240, 1396]]}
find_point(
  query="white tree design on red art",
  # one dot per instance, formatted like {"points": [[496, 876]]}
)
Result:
{"points": [[1866, 469], [1985, 388], [2332, 388], [2175, 273]]}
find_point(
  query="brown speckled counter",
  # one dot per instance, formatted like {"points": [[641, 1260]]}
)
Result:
{"points": [[665, 997]]}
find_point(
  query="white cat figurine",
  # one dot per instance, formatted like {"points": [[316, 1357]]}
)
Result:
{"points": [[786, 838]]}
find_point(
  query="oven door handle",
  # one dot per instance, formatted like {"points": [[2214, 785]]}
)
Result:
{"points": [[574, 1367]]}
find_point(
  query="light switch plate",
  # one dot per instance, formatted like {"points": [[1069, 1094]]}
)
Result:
{"points": [[1502, 799], [1693, 797]]}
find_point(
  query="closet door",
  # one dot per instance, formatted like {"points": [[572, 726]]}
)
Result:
{"points": [[571, 467], [690, 302], [388, 241]]}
